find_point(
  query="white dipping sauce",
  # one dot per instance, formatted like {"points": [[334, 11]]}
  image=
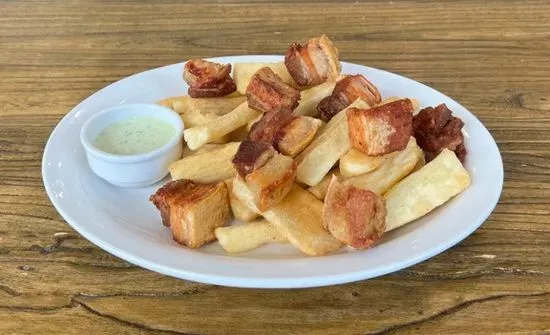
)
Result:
{"points": [[134, 136]]}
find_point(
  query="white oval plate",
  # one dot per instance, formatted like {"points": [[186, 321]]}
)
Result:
{"points": [[124, 223]]}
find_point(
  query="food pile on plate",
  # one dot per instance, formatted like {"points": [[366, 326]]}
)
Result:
{"points": [[300, 153]]}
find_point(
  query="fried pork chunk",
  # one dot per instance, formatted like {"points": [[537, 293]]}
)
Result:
{"points": [[382, 129], [296, 135], [313, 63], [192, 210], [436, 129], [268, 174], [269, 124], [266, 92], [347, 91], [252, 155], [208, 79], [270, 183], [355, 216], [288, 134]]}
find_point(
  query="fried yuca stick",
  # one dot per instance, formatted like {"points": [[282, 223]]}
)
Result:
{"points": [[298, 217], [204, 148], [354, 163], [198, 111], [422, 191], [326, 149], [420, 164], [396, 167], [206, 166], [320, 190], [242, 72], [223, 125], [310, 98], [244, 237], [240, 211]]}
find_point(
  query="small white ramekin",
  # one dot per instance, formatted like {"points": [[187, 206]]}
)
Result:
{"points": [[131, 170]]}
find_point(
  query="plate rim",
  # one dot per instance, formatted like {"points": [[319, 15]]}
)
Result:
{"points": [[247, 282]]}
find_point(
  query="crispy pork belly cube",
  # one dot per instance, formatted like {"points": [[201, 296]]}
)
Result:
{"points": [[382, 129], [436, 129], [296, 135], [251, 156], [200, 73], [354, 216], [220, 89], [192, 210], [346, 92], [270, 183], [208, 79], [265, 129], [267, 92], [313, 63]]}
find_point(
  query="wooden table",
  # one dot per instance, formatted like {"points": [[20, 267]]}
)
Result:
{"points": [[493, 57]]}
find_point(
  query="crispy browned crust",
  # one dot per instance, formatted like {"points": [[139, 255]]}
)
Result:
{"points": [[271, 182], [208, 79], [252, 155], [267, 127], [436, 129], [300, 66], [382, 129], [178, 198], [266, 92], [178, 193], [200, 73], [220, 89], [161, 198], [354, 216], [314, 62], [346, 92], [169, 194], [330, 106]]}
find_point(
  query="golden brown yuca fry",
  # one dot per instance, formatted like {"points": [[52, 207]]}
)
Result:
{"points": [[186, 151], [422, 191], [326, 149], [396, 167], [244, 237], [198, 111], [204, 148], [354, 163], [197, 136], [240, 211], [242, 72], [310, 98], [243, 193], [206, 166], [298, 217], [320, 190], [421, 162]]}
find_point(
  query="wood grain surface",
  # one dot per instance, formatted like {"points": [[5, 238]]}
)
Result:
{"points": [[493, 57]]}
